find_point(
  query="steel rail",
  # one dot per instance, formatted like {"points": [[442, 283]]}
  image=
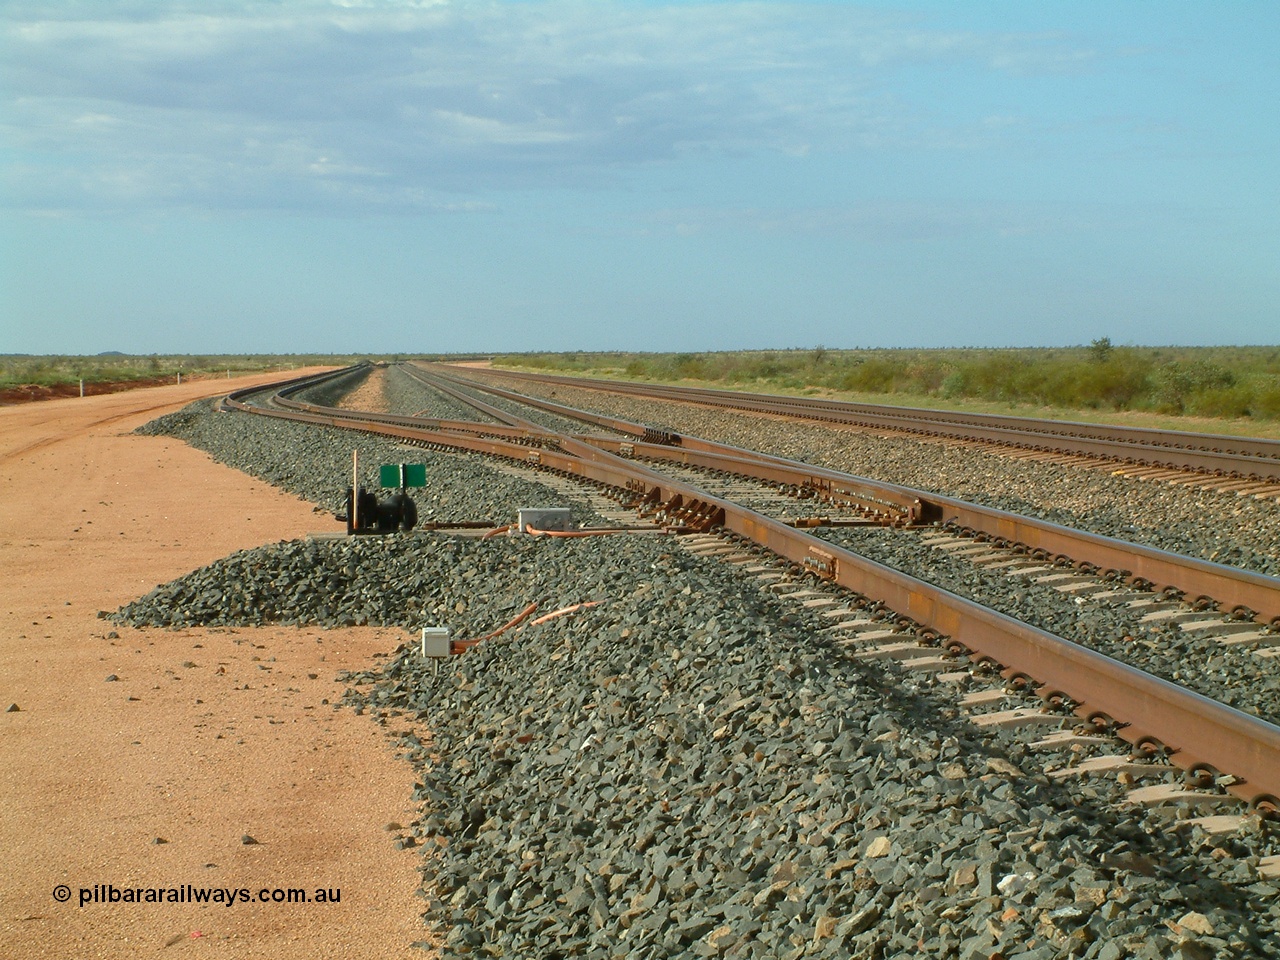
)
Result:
{"points": [[242, 396], [1246, 457], [1144, 710], [504, 416], [438, 375], [1214, 443], [528, 433], [1241, 593]]}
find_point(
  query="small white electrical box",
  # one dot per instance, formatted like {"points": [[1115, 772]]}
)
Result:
{"points": [[545, 518], [435, 641]]}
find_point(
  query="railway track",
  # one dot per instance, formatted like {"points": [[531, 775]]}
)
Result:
{"points": [[1244, 465], [1237, 593], [885, 612]]}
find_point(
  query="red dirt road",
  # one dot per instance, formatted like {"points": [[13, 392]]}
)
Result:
{"points": [[204, 737]]}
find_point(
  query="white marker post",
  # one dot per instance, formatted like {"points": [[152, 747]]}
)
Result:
{"points": [[355, 490]]}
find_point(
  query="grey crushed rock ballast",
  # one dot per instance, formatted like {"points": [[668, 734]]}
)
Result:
{"points": [[690, 768]]}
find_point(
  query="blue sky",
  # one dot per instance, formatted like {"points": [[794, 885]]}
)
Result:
{"points": [[228, 176]]}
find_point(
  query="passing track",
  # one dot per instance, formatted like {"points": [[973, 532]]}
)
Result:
{"points": [[1148, 712], [1205, 584]]}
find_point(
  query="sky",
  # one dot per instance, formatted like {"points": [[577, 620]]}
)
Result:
{"points": [[420, 176]]}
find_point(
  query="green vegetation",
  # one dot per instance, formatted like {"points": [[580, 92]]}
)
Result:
{"points": [[1097, 381], [18, 370], [1218, 382], [48, 371]]}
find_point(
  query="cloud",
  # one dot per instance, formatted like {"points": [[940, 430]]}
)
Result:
{"points": [[391, 105], [891, 222]]}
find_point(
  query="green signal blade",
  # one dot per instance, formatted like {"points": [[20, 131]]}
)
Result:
{"points": [[403, 475]]}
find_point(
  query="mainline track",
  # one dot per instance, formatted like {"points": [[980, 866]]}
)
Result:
{"points": [[1150, 713], [1249, 458]]}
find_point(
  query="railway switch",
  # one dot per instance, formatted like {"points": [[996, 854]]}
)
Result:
{"points": [[367, 514], [396, 512]]}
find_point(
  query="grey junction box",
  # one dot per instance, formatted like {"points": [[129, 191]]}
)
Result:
{"points": [[435, 641], [545, 518]]}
